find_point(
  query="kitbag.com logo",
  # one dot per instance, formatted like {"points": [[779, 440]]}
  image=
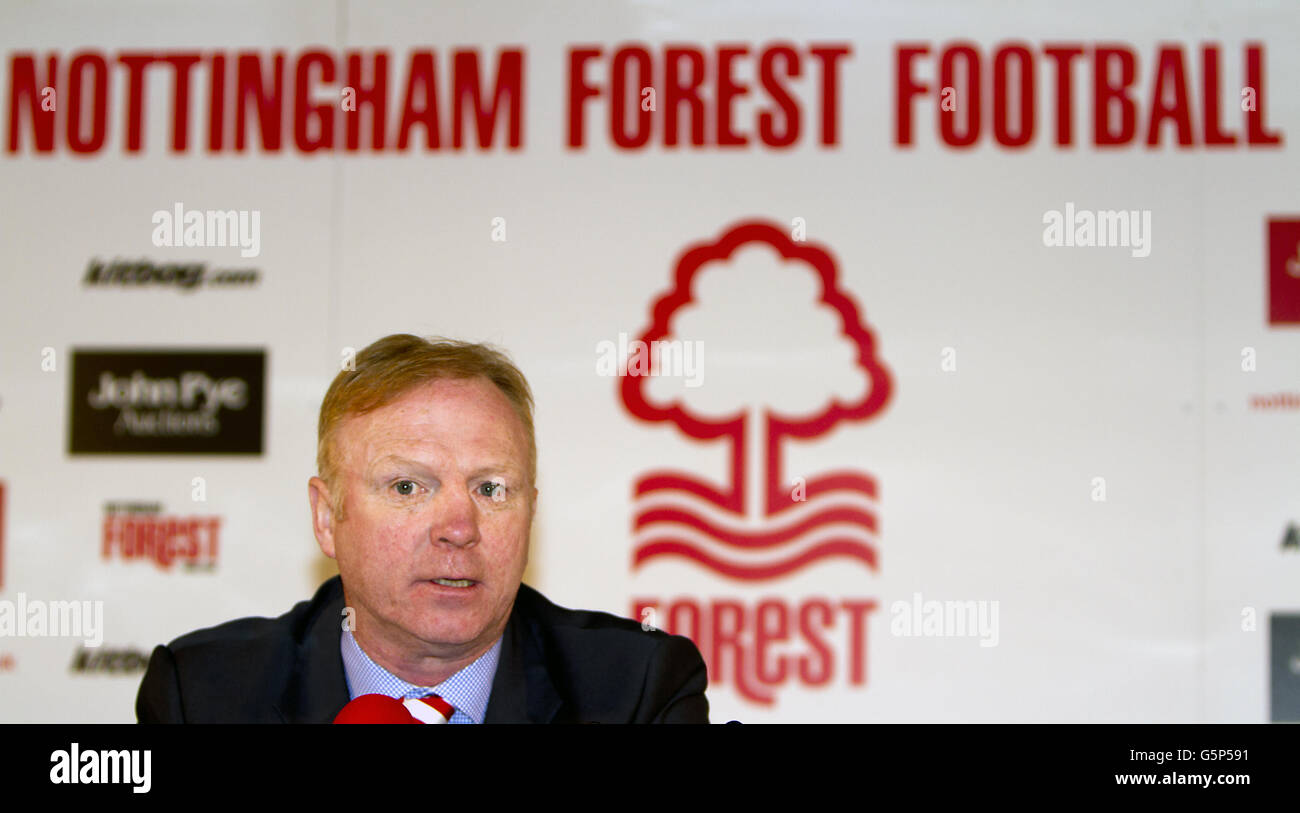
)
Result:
{"points": [[167, 401], [791, 374], [105, 660], [143, 273]]}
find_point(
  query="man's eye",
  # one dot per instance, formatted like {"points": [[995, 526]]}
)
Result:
{"points": [[405, 487], [493, 490]]}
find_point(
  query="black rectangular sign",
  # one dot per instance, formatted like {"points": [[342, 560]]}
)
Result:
{"points": [[167, 401]]}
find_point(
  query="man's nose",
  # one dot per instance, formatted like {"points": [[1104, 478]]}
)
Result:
{"points": [[455, 520]]}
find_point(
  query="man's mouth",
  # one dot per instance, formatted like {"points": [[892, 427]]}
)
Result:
{"points": [[454, 582]]}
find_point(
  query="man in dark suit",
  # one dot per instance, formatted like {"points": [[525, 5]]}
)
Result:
{"points": [[425, 498]]}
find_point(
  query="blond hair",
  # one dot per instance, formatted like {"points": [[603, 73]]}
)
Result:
{"points": [[389, 368]]}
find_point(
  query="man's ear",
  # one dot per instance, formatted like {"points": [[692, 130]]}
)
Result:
{"points": [[322, 514]]}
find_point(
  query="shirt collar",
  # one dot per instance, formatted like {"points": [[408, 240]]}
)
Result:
{"points": [[468, 690]]}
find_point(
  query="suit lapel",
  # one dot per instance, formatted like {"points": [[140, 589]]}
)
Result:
{"points": [[317, 690], [522, 691]]}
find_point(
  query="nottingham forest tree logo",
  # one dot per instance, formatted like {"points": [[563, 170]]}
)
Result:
{"points": [[788, 355]]}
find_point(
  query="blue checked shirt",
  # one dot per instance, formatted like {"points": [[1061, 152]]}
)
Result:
{"points": [[468, 690]]}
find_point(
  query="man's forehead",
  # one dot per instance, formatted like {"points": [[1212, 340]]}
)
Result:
{"points": [[434, 418], [471, 398]]}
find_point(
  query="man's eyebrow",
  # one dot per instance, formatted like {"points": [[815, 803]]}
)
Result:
{"points": [[494, 468], [491, 467], [400, 462]]}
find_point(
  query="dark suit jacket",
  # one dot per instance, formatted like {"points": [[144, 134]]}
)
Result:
{"points": [[556, 665]]}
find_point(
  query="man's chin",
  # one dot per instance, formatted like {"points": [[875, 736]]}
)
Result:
{"points": [[444, 636]]}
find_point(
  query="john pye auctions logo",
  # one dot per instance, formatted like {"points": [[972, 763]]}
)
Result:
{"points": [[167, 402]]}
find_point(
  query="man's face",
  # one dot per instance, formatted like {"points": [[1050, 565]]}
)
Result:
{"points": [[437, 507]]}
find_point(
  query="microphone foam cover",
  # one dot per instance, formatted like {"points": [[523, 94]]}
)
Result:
{"points": [[375, 708]]}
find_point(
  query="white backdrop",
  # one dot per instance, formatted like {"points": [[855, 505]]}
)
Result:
{"points": [[1069, 431]]}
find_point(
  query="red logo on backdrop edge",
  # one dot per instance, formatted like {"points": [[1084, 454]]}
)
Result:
{"points": [[1284, 271], [2, 534], [777, 640]]}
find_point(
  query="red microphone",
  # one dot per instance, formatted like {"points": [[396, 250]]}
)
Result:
{"points": [[376, 708], [380, 708]]}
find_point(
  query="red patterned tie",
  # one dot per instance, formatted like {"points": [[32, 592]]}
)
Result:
{"points": [[430, 709]]}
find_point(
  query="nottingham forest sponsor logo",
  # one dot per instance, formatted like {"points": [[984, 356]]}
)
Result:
{"points": [[141, 532], [167, 402], [778, 375]]}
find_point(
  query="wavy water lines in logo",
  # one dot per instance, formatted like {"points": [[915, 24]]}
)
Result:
{"points": [[790, 356]]}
